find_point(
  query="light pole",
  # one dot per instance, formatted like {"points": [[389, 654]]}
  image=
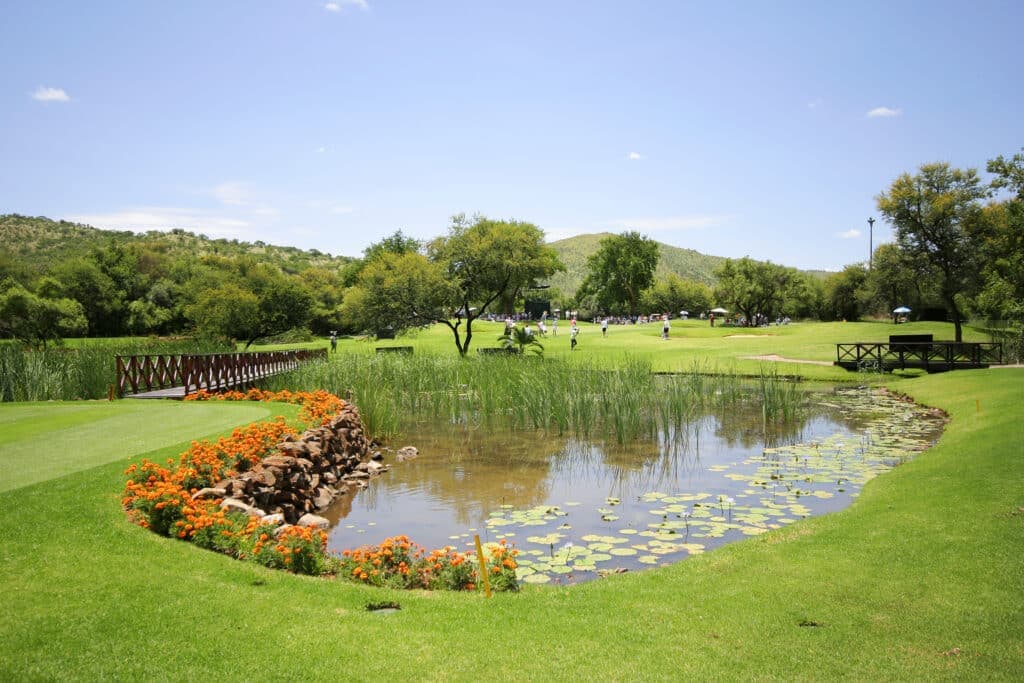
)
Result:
{"points": [[871, 240]]}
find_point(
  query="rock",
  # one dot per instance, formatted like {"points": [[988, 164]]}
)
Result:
{"points": [[283, 461], [233, 504], [267, 477], [209, 492], [315, 521], [323, 498], [406, 453], [276, 518], [377, 455]]}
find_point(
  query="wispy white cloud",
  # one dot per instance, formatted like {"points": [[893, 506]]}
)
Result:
{"points": [[231, 193], [666, 223], [337, 6], [141, 219], [883, 112], [44, 94], [851, 234], [634, 156]]}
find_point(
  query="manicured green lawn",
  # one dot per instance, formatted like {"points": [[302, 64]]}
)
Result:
{"points": [[920, 579], [690, 343], [41, 441]]}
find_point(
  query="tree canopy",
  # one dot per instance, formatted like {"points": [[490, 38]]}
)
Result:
{"points": [[933, 213], [620, 271], [462, 273], [754, 287]]}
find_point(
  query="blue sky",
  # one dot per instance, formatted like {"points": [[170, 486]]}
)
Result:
{"points": [[733, 128]]}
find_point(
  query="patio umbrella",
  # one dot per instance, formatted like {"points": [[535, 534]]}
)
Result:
{"points": [[719, 310], [901, 309]]}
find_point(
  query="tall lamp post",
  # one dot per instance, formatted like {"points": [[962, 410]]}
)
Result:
{"points": [[871, 240]]}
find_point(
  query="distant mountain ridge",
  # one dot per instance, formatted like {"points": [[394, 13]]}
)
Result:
{"points": [[39, 241], [574, 252]]}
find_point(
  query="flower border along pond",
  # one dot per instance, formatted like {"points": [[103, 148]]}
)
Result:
{"points": [[188, 499]]}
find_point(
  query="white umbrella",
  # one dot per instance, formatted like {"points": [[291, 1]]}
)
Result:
{"points": [[901, 309], [719, 310]]}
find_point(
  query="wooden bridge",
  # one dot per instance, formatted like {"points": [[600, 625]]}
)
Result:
{"points": [[919, 351], [177, 375]]}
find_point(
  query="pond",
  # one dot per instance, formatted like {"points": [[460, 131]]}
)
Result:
{"points": [[580, 508]]}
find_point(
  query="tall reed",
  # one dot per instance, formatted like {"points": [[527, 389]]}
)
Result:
{"points": [[622, 402]]}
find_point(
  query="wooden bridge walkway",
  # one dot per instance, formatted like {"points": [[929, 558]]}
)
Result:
{"points": [[177, 375], [917, 351]]}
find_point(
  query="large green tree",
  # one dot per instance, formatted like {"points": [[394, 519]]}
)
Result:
{"points": [[620, 271], [933, 213], [672, 294], [37, 320], [254, 300], [461, 274], [754, 287]]}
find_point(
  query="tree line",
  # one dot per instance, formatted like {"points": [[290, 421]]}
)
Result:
{"points": [[959, 250]]}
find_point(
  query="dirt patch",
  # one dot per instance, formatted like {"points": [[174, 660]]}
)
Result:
{"points": [[779, 359]]}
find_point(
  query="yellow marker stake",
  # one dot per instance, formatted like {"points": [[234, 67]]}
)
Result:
{"points": [[482, 561]]}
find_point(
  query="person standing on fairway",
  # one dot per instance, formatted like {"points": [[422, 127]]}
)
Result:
{"points": [[573, 331]]}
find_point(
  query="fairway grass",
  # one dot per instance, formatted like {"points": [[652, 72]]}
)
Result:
{"points": [[920, 579], [40, 441]]}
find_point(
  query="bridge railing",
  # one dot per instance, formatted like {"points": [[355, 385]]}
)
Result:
{"points": [[210, 371], [933, 354]]}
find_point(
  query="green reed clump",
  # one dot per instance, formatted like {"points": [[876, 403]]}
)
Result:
{"points": [[85, 371], [622, 402]]}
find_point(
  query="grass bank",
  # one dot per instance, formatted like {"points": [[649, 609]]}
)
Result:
{"points": [[920, 579]]}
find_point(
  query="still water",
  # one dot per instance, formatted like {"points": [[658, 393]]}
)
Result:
{"points": [[577, 508]]}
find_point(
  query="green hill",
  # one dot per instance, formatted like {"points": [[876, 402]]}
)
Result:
{"points": [[36, 243], [574, 251]]}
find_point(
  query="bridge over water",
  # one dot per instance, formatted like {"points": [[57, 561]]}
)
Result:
{"points": [[177, 375]]}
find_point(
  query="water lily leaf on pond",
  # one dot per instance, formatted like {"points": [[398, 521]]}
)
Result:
{"points": [[537, 578], [652, 497], [612, 501], [599, 557], [561, 569], [823, 494], [648, 559], [604, 511], [498, 521], [507, 507], [661, 512], [571, 503], [623, 552], [609, 518], [627, 532], [584, 567], [718, 468], [549, 539], [589, 538], [600, 547]]}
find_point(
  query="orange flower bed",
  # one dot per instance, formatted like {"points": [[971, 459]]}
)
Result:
{"points": [[317, 406], [400, 563]]}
